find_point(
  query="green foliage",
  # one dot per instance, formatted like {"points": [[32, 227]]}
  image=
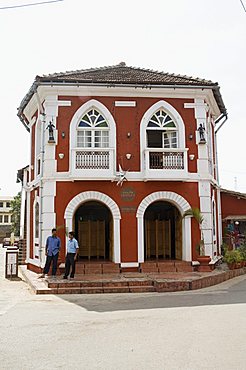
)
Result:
{"points": [[16, 209], [233, 256], [196, 213], [224, 248], [242, 250]]}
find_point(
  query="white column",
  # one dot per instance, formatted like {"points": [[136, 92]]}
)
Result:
{"points": [[116, 254], [206, 210], [186, 239], [140, 239], [48, 212], [28, 226]]}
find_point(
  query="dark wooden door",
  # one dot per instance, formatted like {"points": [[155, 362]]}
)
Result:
{"points": [[91, 237], [158, 239]]}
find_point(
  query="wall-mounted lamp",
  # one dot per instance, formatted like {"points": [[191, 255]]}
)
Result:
{"points": [[61, 155], [192, 156], [63, 134], [128, 134], [128, 156], [190, 136]]}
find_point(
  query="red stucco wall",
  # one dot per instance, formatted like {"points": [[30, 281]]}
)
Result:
{"points": [[232, 205], [66, 191], [127, 119]]}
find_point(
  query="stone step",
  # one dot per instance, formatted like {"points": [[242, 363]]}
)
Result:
{"points": [[90, 287], [166, 268], [142, 289], [108, 289], [146, 269]]}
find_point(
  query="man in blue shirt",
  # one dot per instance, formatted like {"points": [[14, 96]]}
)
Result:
{"points": [[72, 252], [52, 248]]}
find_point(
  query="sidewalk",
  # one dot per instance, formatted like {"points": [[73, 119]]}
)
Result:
{"points": [[129, 282]]}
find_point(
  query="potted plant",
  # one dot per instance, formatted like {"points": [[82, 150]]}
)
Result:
{"points": [[233, 258], [242, 250], [201, 258]]}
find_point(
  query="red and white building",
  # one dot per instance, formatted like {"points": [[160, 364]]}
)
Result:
{"points": [[125, 163]]}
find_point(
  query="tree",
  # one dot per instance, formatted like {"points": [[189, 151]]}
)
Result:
{"points": [[16, 210]]}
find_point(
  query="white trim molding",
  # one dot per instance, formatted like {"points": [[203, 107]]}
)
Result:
{"points": [[125, 103], [86, 196], [129, 264], [170, 110], [182, 205], [85, 173]]}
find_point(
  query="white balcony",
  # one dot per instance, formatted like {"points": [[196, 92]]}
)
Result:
{"points": [[93, 163], [165, 164]]}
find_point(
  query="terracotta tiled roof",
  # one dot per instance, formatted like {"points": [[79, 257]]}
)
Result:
{"points": [[233, 193], [122, 74]]}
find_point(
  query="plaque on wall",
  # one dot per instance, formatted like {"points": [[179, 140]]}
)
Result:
{"points": [[128, 209], [127, 194]]}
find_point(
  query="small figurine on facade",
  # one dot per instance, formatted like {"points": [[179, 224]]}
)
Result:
{"points": [[51, 127], [201, 130]]}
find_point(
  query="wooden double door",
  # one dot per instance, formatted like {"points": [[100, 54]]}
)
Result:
{"points": [[92, 243], [163, 232], [94, 231]]}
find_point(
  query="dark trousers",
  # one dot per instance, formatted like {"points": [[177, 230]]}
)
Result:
{"points": [[70, 262], [50, 259]]}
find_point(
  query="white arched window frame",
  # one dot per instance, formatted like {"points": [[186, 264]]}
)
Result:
{"points": [[93, 130], [172, 127], [166, 134], [93, 147]]}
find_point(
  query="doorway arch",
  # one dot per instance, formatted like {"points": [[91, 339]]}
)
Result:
{"points": [[94, 229], [181, 204], [162, 231], [87, 196]]}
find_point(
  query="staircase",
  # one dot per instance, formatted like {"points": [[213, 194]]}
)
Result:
{"points": [[94, 268], [165, 266], [80, 286]]}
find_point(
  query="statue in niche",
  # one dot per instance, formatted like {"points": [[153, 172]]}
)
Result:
{"points": [[201, 130], [51, 127]]}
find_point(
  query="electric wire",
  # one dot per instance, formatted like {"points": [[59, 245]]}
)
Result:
{"points": [[29, 4], [241, 1]]}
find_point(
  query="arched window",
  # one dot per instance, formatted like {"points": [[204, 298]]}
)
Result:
{"points": [[93, 130], [162, 131], [36, 220], [38, 149]]}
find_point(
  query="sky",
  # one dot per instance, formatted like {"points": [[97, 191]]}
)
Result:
{"points": [[199, 38]]}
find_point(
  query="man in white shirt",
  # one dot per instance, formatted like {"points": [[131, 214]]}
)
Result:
{"points": [[72, 252]]}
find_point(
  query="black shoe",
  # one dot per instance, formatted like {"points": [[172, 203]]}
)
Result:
{"points": [[65, 277]]}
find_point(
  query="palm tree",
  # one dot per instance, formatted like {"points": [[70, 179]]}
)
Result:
{"points": [[196, 213]]}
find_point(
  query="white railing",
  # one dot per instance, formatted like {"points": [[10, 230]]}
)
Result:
{"points": [[92, 163], [169, 160], [92, 160], [166, 160]]}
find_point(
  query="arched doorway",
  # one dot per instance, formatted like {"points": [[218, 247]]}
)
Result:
{"points": [[162, 231], [94, 229]]}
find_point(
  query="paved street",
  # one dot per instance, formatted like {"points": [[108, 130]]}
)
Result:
{"points": [[185, 330]]}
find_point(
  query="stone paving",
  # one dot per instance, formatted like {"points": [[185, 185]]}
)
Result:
{"points": [[128, 282]]}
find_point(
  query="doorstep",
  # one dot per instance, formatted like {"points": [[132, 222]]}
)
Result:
{"points": [[128, 282]]}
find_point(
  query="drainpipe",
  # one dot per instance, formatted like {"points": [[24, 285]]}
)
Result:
{"points": [[225, 116], [42, 113]]}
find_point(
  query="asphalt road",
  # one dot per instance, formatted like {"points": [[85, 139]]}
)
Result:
{"points": [[203, 329]]}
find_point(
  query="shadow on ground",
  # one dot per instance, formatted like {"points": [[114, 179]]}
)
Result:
{"points": [[222, 294]]}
